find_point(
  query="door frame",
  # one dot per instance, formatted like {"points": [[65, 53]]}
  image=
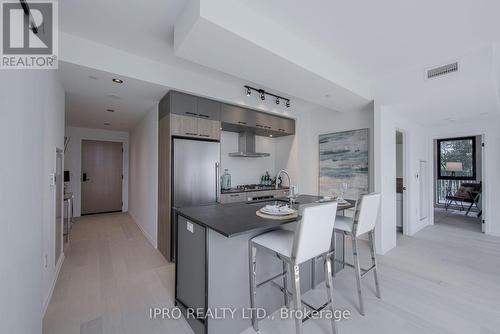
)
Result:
{"points": [[125, 168], [405, 178], [61, 236], [484, 204]]}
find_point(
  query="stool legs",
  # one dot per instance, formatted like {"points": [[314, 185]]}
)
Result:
{"points": [[285, 284], [371, 238], [329, 288], [358, 274], [297, 302], [253, 285]]}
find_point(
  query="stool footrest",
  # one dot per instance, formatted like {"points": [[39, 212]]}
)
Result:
{"points": [[258, 285], [364, 271], [306, 304]]}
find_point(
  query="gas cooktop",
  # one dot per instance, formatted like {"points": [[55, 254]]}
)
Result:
{"points": [[248, 187]]}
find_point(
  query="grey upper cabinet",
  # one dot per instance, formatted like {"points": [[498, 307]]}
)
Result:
{"points": [[193, 106], [208, 109], [237, 116], [183, 104], [283, 125], [233, 118]]}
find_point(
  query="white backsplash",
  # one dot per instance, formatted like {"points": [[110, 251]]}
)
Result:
{"points": [[247, 170]]}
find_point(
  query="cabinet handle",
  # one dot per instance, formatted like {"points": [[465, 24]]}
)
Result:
{"points": [[282, 130], [204, 136], [267, 127], [244, 123], [234, 195], [190, 134], [260, 126], [201, 115], [190, 113]]}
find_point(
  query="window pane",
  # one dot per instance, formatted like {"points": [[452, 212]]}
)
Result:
{"points": [[457, 158]]}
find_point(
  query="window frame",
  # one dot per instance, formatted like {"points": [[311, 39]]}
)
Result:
{"points": [[474, 166]]}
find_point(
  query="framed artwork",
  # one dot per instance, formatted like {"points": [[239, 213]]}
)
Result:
{"points": [[343, 164]]}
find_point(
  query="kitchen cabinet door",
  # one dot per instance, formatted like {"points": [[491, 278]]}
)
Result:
{"points": [[183, 104], [183, 126], [237, 115], [284, 125], [208, 109], [209, 129]]}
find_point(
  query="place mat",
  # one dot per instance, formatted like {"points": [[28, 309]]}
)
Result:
{"points": [[263, 215]]}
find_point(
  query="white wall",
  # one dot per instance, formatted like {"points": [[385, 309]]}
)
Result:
{"points": [[27, 98], [300, 154], [247, 170], [143, 185], [73, 159], [387, 121], [53, 109]]}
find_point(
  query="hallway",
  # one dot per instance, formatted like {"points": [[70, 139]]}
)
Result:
{"points": [[110, 278]]}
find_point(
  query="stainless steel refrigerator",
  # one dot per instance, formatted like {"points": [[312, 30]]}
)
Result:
{"points": [[195, 176]]}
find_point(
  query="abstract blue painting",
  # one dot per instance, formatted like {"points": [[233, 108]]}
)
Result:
{"points": [[343, 163]]}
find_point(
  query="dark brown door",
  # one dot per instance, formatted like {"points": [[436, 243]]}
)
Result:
{"points": [[102, 168]]}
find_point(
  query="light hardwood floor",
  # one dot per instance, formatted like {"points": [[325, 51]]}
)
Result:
{"points": [[443, 280]]}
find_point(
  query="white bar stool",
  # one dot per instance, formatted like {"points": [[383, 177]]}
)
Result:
{"points": [[312, 238], [365, 218]]}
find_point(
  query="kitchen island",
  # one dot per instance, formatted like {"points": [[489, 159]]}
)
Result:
{"points": [[212, 275]]}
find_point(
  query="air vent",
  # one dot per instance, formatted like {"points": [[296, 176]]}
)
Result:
{"points": [[442, 70]]}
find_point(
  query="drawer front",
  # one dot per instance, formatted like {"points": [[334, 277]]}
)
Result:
{"points": [[232, 198]]}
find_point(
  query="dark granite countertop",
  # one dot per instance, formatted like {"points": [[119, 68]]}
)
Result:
{"points": [[234, 219]]}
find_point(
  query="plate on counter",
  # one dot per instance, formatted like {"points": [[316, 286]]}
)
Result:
{"points": [[276, 210]]}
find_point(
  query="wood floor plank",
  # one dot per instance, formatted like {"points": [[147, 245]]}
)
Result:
{"points": [[443, 280]]}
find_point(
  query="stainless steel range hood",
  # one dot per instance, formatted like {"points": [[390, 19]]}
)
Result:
{"points": [[246, 146]]}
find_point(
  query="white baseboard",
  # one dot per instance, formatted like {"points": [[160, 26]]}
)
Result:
{"points": [[54, 281], [148, 237]]}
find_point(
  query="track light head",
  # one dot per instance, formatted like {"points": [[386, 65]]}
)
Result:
{"points": [[277, 100], [262, 95], [287, 104], [249, 91]]}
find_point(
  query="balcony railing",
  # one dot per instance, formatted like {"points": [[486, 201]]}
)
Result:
{"points": [[445, 187]]}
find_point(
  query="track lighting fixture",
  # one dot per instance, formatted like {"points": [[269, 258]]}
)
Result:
{"points": [[263, 94]]}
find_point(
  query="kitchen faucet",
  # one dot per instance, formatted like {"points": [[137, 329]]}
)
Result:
{"points": [[291, 190]]}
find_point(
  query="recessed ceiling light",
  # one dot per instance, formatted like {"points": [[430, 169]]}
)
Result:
{"points": [[107, 124], [115, 80], [110, 110]]}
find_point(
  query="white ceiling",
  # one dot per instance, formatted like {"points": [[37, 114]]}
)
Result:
{"points": [[372, 42], [90, 92], [380, 38]]}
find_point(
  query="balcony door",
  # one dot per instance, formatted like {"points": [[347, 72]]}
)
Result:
{"points": [[102, 170]]}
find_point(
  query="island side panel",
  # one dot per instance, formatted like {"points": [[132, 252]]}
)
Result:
{"points": [[228, 280], [191, 269]]}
